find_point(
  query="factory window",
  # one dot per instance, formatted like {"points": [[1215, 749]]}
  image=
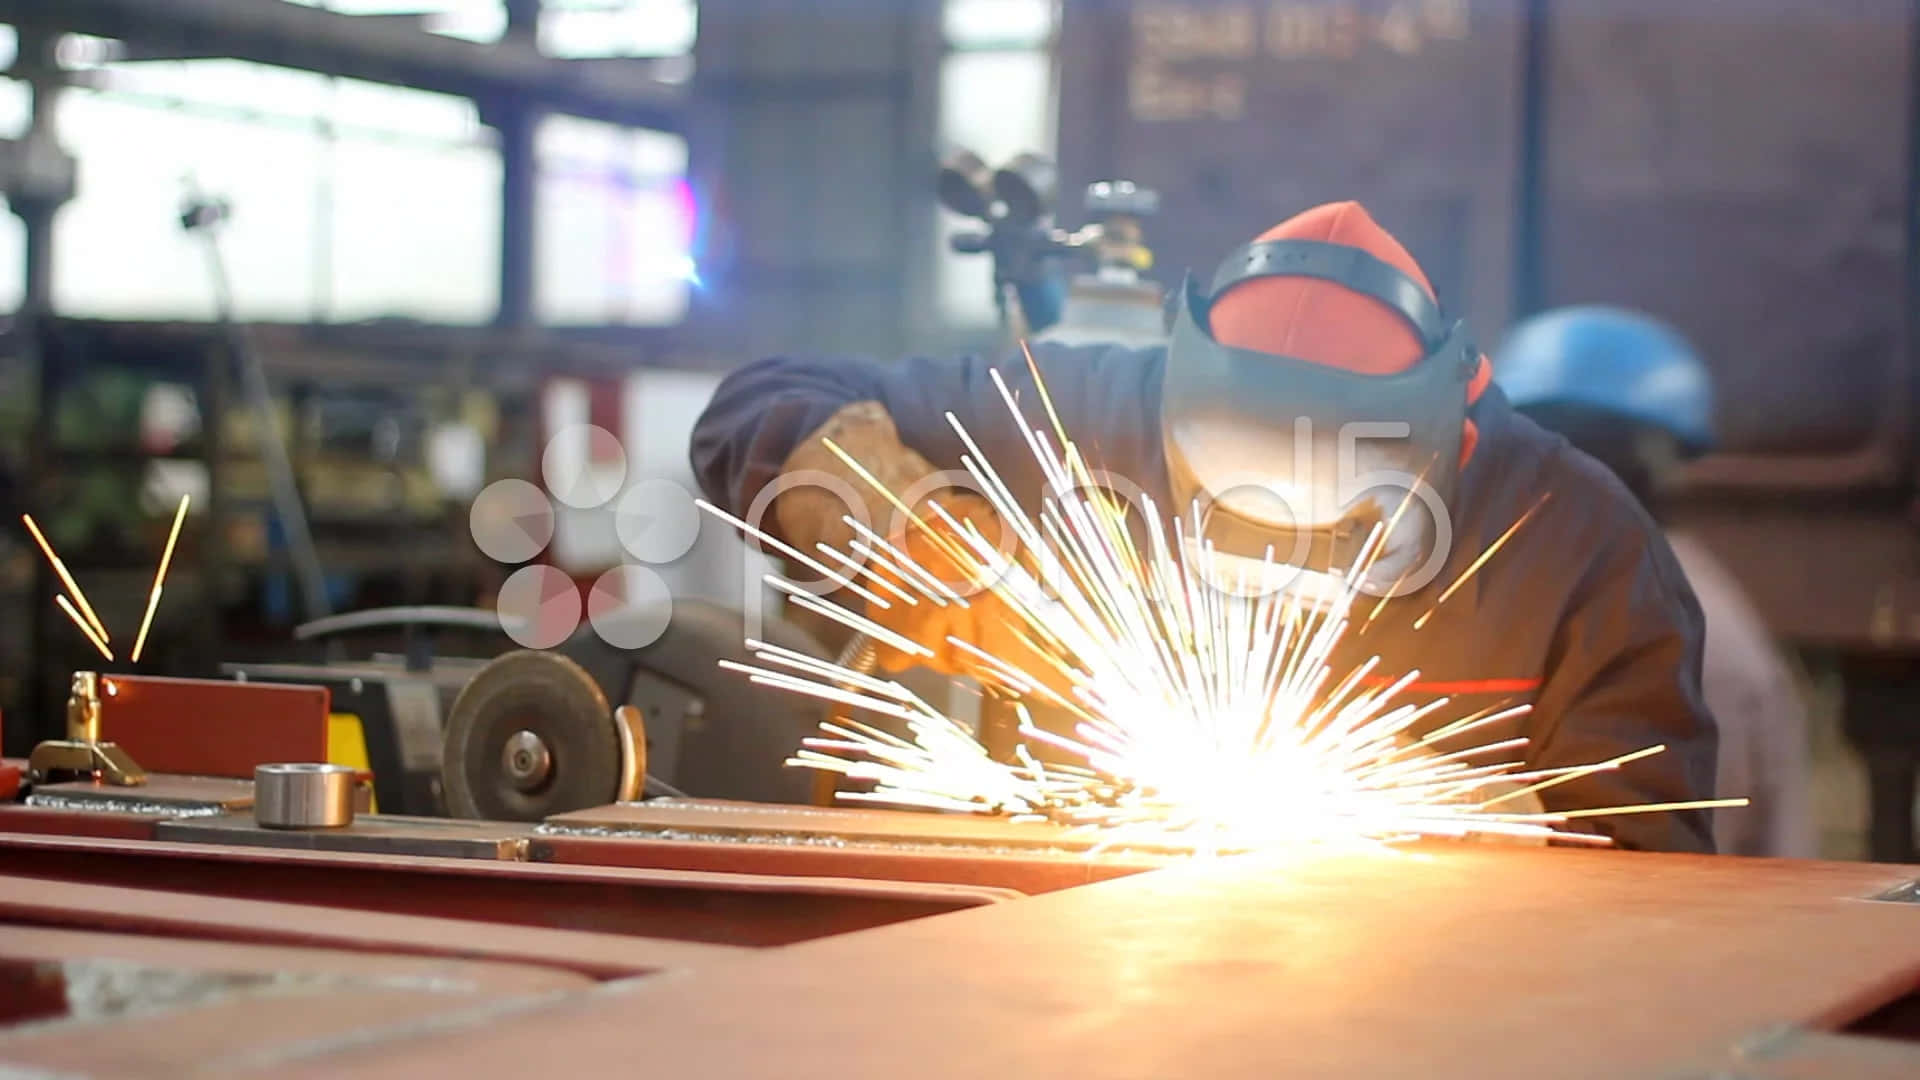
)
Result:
{"points": [[470, 20], [145, 133], [614, 224], [413, 207], [570, 29], [348, 200], [13, 262], [600, 29], [16, 109], [998, 24], [996, 99]]}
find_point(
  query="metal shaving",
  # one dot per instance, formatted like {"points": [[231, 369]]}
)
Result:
{"points": [[126, 806], [783, 839]]}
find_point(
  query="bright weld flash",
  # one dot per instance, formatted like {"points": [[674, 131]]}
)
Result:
{"points": [[1202, 718]]}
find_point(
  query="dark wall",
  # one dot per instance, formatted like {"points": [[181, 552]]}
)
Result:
{"points": [[812, 142], [1738, 168], [1741, 172], [1242, 114]]}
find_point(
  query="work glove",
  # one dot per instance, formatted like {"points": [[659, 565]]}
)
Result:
{"points": [[986, 621]]}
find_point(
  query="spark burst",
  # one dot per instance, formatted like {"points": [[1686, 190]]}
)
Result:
{"points": [[1203, 715]]}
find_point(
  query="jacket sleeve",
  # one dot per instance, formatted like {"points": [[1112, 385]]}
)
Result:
{"points": [[760, 412], [1623, 674], [763, 410]]}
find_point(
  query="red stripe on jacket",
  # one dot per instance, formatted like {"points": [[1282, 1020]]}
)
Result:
{"points": [[1463, 686]]}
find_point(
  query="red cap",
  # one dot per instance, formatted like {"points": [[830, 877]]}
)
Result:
{"points": [[1318, 320], [1324, 322]]}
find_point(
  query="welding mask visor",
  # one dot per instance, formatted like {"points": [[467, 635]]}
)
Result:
{"points": [[1283, 466]]}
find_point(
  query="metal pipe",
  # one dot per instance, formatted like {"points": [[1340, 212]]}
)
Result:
{"points": [[519, 181], [285, 490], [83, 708], [377, 50], [1909, 310], [303, 796], [1529, 260]]}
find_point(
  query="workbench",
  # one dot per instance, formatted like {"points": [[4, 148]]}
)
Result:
{"points": [[812, 943]]}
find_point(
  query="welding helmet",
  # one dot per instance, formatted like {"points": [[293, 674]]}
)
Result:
{"points": [[1613, 363], [1285, 463]]}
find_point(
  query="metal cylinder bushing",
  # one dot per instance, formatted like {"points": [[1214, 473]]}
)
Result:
{"points": [[303, 796]]}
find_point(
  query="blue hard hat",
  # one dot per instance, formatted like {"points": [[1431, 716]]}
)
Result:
{"points": [[1609, 360]]}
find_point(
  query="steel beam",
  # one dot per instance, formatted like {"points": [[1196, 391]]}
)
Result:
{"points": [[377, 50], [158, 913], [758, 910]]}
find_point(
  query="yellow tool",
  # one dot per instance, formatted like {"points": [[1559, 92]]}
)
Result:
{"points": [[347, 745]]}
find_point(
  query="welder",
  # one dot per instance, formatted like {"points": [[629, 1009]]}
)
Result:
{"points": [[1633, 393], [1311, 373]]}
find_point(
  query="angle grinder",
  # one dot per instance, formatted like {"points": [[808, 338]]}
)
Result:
{"points": [[532, 736], [538, 733]]}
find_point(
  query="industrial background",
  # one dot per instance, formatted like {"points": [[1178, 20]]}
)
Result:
{"points": [[446, 229]]}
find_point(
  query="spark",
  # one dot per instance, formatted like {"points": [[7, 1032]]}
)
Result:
{"points": [[1208, 716], [1388, 593], [812, 564], [93, 638], [1480, 561], [60, 568], [159, 579]]}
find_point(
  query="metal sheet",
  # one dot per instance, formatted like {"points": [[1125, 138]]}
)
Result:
{"points": [[116, 826], [732, 909], [27, 901], [1030, 872], [41, 944], [716, 819], [168, 795], [1446, 963], [1905, 893], [213, 727], [1798, 1054], [383, 834], [156, 1006]]}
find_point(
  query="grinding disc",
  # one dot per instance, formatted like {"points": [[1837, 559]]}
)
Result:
{"points": [[735, 740], [529, 737]]}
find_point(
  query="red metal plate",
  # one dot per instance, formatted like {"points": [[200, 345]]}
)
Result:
{"points": [[152, 1006], [733, 909], [213, 727], [162, 793], [34, 819], [1445, 964], [1028, 873], [27, 901], [899, 829]]}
